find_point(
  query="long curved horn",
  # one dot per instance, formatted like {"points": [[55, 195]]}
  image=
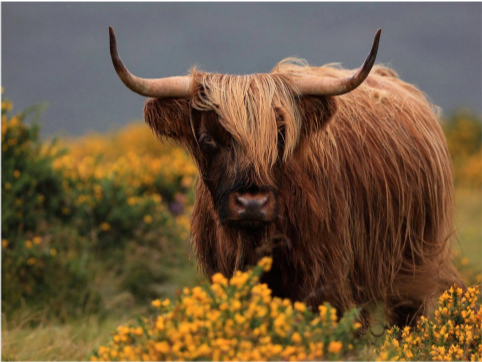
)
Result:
{"points": [[318, 86], [158, 88]]}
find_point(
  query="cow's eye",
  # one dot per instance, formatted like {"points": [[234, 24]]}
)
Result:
{"points": [[207, 139]]}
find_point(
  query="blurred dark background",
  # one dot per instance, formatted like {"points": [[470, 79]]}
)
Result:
{"points": [[59, 53]]}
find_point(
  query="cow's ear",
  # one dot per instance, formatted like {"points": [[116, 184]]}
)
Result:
{"points": [[316, 112], [169, 117]]}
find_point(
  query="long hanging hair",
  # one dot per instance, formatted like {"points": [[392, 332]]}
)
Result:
{"points": [[252, 108], [374, 204]]}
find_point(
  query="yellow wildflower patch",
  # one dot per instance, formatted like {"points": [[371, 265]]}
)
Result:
{"points": [[233, 320], [454, 334]]}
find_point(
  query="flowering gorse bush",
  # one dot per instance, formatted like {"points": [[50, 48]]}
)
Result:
{"points": [[37, 264], [127, 179], [235, 319], [455, 333], [238, 319], [132, 155], [70, 214]]}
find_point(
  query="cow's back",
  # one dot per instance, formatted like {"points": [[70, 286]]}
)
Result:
{"points": [[383, 175]]}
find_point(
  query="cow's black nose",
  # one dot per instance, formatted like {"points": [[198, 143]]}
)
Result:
{"points": [[252, 206]]}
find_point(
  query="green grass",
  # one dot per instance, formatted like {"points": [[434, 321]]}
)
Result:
{"points": [[32, 337], [35, 336], [468, 219]]}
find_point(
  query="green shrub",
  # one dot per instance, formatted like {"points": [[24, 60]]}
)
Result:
{"points": [[64, 223]]}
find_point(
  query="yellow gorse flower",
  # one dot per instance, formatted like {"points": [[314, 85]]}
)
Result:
{"points": [[235, 319], [147, 159], [455, 332], [335, 347]]}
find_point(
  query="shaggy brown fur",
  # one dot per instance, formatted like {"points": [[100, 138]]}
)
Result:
{"points": [[362, 183]]}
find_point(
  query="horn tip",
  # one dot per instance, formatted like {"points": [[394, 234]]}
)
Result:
{"points": [[376, 41], [116, 61], [377, 35], [111, 32]]}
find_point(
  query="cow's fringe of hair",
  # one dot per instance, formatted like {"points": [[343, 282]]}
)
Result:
{"points": [[367, 205], [252, 108]]}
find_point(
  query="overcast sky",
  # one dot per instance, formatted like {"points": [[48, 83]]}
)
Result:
{"points": [[59, 52]]}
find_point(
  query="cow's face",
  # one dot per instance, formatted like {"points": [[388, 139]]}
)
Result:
{"points": [[245, 195], [242, 131]]}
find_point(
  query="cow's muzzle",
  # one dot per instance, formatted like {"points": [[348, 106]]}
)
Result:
{"points": [[252, 208]]}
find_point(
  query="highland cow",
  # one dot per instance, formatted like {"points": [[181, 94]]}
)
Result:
{"points": [[343, 177]]}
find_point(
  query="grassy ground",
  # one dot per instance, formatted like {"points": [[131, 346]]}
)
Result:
{"points": [[469, 225], [33, 337], [47, 341]]}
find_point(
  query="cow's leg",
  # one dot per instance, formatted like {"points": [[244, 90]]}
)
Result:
{"points": [[420, 293]]}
